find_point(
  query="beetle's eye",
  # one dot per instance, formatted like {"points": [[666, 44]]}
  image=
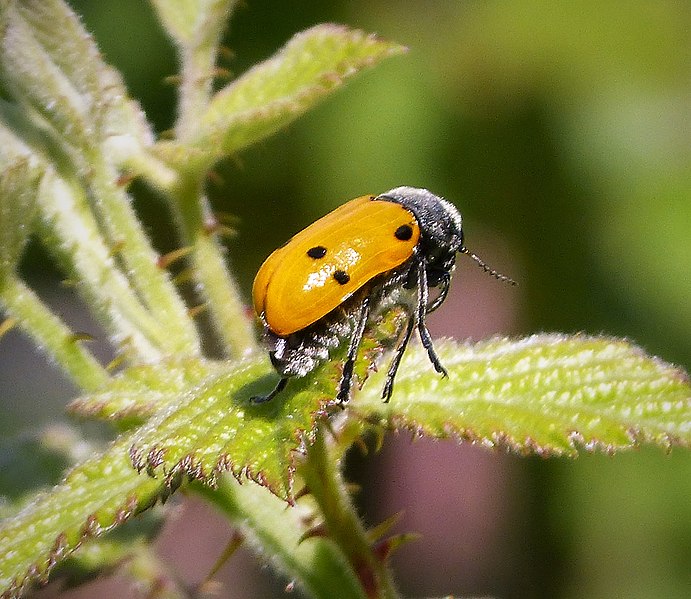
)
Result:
{"points": [[404, 232]]}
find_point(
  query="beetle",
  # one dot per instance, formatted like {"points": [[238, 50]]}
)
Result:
{"points": [[343, 271]]}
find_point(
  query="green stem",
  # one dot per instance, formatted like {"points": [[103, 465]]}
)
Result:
{"points": [[51, 334], [198, 57], [198, 51], [276, 530], [221, 292], [195, 90], [192, 213], [323, 480], [69, 228], [225, 301], [148, 165], [140, 261]]}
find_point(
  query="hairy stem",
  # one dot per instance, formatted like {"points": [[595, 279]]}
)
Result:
{"points": [[51, 334], [220, 290], [70, 229], [323, 479], [276, 530], [198, 59], [139, 259]]}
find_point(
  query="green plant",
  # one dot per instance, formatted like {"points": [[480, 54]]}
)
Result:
{"points": [[70, 140]]}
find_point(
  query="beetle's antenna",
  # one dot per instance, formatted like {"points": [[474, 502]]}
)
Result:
{"points": [[486, 268]]}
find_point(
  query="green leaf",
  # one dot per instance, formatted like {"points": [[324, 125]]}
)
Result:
{"points": [[215, 427], [209, 429], [33, 463], [275, 92], [99, 494], [545, 394], [49, 62], [141, 390]]}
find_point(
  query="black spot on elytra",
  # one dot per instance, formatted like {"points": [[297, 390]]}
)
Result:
{"points": [[404, 232], [316, 252], [341, 277]]}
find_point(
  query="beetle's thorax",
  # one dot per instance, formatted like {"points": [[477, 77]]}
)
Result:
{"points": [[441, 225], [440, 222]]}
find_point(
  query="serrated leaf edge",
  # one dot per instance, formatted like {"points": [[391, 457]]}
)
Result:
{"points": [[152, 461]]}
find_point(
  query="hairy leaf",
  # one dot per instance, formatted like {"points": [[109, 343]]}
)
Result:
{"points": [[32, 463], [99, 494], [215, 427], [545, 394], [141, 390], [49, 62], [211, 428], [275, 92]]}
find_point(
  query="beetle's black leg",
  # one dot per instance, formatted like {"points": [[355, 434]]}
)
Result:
{"points": [[355, 339], [425, 337], [443, 292], [396, 360], [269, 396]]}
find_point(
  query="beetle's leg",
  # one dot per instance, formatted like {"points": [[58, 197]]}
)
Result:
{"points": [[269, 396], [425, 337], [355, 339], [443, 292], [396, 360]]}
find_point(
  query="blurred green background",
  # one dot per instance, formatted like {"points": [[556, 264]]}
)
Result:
{"points": [[562, 130]]}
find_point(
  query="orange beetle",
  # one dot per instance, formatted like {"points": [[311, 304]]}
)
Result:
{"points": [[325, 283]]}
